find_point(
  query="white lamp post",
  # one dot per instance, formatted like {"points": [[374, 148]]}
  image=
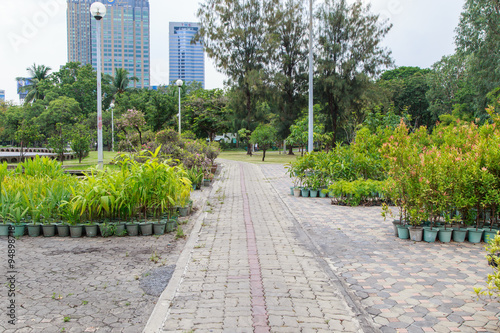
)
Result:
{"points": [[179, 84], [311, 122], [112, 106], [98, 11]]}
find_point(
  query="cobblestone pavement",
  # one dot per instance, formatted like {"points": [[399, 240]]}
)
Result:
{"points": [[249, 271], [95, 283], [405, 286]]}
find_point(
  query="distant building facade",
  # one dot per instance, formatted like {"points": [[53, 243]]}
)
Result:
{"points": [[22, 93], [125, 37], [186, 60], [2, 95]]}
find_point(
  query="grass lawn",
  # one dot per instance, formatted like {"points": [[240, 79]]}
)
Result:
{"points": [[89, 161], [272, 157]]}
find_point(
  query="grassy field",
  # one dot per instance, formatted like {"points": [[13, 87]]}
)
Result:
{"points": [[89, 161], [272, 157]]}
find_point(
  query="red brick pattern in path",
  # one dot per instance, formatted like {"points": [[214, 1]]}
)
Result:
{"points": [[259, 310]]}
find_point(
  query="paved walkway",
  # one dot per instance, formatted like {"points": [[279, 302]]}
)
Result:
{"points": [[262, 260], [405, 286], [249, 270]]}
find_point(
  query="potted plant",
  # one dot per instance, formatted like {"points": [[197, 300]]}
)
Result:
{"points": [[159, 227], [16, 215], [48, 228], [415, 230], [90, 229], [474, 234], [459, 234], [107, 228], [75, 229], [314, 185], [146, 228], [183, 202], [132, 228], [445, 233]]}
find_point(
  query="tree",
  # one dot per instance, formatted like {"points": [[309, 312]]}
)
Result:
{"points": [[132, 119], [299, 131], [289, 63], [450, 90], [27, 134], [349, 54], [264, 136], [409, 86], [80, 141], [235, 36], [59, 141], [38, 73], [79, 82], [120, 82], [478, 44], [63, 110], [206, 112]]}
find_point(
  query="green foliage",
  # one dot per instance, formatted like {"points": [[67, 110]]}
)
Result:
{"points": [[478, 41], [349, 53], [206, 111], [40, 189], [80, 141], [27, 134], [264, 136], [299, 131], [360, 191], [59, 141], [493, 279], [37, 74], [409, 86], [454, 169]]}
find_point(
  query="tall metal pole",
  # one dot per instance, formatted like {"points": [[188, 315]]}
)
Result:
{"points": [[179, 111], [112, 131], [100, 157], [311, 121]]}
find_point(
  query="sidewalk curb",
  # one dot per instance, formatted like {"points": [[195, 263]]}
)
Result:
{"points": [[365, 320], [162, 307]]}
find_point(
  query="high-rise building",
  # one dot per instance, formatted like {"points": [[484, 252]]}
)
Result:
{"points": [[187, 60], [125, 37], [21, 91], [2, 95]]}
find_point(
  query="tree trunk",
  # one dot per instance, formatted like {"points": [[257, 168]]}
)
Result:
{"points": [[249, 149], [290, 150], [263, 154]]}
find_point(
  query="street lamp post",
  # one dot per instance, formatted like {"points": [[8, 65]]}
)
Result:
{"points": [[98, 11], [311, 122], [112, 106], [179, 84]]}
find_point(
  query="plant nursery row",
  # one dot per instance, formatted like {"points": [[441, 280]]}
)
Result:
{"points": [[447, 179], [146, 194]]}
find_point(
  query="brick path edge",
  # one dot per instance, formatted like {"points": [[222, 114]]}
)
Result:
{"points": [[364, 318], [162, 307]]}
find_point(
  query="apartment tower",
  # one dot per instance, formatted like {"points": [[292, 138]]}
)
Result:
{"points": [[186, 59], [125, 37]]}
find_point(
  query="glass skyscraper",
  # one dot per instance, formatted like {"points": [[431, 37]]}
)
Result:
{"points": [[186, 60], [125, 37]]}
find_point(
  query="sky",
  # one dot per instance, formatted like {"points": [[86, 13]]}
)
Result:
{"points": [[34, 31]]}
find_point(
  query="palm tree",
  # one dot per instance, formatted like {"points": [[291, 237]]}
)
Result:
{"points": [[121, 81], [37, 73]]}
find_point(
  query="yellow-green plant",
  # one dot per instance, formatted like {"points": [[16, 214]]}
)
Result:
{"points": [[493, 279]]}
